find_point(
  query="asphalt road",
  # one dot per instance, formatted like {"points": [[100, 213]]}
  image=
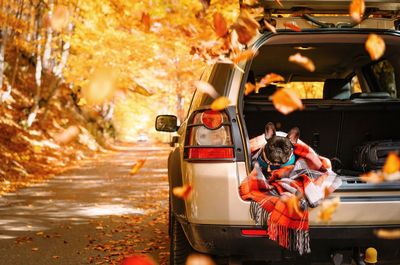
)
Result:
{"points": [[95, 214]]}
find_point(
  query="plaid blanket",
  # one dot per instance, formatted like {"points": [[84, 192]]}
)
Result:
{"points": [[280, 202]]}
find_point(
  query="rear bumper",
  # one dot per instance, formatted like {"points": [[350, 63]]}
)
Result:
{"points": [[225, 240]]}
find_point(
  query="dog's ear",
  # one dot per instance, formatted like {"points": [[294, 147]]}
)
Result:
{"points": [[269, 130], [294, 135]]}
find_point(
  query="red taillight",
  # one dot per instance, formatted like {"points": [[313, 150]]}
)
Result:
{"points": [[201, 153], [254, 232], [211, 119]]}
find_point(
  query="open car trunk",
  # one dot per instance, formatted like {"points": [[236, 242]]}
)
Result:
{"points": [[333, 123]]}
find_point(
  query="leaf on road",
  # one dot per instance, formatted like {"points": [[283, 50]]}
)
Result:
{"points": [[220, 103], [302, 61], [206, 88], [35, 249], [292, 26], [328, 208], [182, 192], [55, 257], [138, 260], [286, 100], [388, 233], [375, 46], [138, 165], [220, 25], [199, 259], [356, 10]]}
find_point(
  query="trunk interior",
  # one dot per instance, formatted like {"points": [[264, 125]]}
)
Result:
{"points": [[333, 129]]}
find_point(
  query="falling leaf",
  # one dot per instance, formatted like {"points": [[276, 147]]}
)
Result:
{"points": [[269, 26], [138, 260], [292, 26], [60, 18], [35, 249], [146, 21], [286, 100], [101, 87], [220, 25], [68, 135], [328, 208], [199, 259], [375, 46], [206, 88], [243, 56], [138, 165], [271, 78], [392, 163], [357, 8], [388, 233], [293, 205], [246, 27], [82, 102], [220, 103], [302, 61], [372, 177], [249, 88], [182, 192]]}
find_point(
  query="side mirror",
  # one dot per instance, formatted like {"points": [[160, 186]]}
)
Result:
{"points": [[166, 123]]}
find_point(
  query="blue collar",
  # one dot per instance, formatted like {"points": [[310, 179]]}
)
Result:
{"points": [[264, 164]]}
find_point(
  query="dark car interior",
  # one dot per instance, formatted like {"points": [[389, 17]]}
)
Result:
{"points": [[343, 117]]}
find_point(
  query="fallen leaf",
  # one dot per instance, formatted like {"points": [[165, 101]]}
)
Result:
{"points": [[55, 257], [138, 260], [243, 56], [292, 26], [206, 88], [39, 233], [388, 233], [356, 9], [271, 78], [302, 61], [182, 192], [199, 259], [60, 18], [269, 26], [138, 165], [246, 27], [372, 177], [35, 249], [286, 100], [220, 25], [328, 208], [375, 46], [146, 21], [220, 103]]}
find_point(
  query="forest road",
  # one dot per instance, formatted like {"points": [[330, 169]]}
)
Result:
{"points": [[95, 214]]}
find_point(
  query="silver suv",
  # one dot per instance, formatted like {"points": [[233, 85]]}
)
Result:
{"points": [[358, 101]]}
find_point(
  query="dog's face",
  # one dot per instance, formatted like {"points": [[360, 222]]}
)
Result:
{"points": [[278, 150]]}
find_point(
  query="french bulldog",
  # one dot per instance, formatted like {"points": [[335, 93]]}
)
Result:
{"points": [[278, 151]]}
